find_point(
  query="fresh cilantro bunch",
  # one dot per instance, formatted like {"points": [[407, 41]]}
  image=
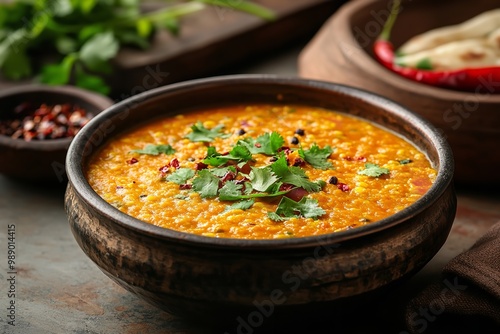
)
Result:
{"points": [[73, 41]]}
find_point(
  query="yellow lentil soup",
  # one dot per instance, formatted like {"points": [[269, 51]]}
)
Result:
{"points": [[260, 172]]}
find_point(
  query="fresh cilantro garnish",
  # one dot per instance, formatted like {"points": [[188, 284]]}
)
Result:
{"points": [[238, 154], [317, 157], [275, 217], [231, 191], [222, 171], [82, 37], [199, 133], [306, 207], [262, 178], [405, 161], [155, 149], [181, 175], [206, 184], [230, 176], [241, 205], [293, 175], [373, 170], [268, 143]]}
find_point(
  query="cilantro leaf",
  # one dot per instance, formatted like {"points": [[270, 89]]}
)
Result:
{"points": [[238, 153], [92, 82], [262, 178], [373, 170], [181, 175], [298, 178], [206, 184], [58, 74], [151, 149], [230, 191], [317, 157], [268, 143], [199, 133], [220, 172], [14, 61], [275, 217], [241, 205], [306, 207], [98, 50], [293, 175]]}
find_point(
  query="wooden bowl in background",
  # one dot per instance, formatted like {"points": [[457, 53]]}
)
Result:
{"points": [[341, 53], [42, 160]]}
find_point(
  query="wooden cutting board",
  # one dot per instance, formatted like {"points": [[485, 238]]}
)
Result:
{"points": [[215, 40]]}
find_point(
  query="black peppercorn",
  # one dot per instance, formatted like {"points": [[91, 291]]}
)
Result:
{"points": [[294, 141], [300, 132], [333, 180]]}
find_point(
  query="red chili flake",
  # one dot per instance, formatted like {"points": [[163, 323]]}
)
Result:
{"points": [[241, 181], [286, 187], [298, 162], [27, 121], [245, 169], [201, 165], [175, 163], [228, 177], [164, 170], [132, 161], [185, 186], [285, 149], [342, 186], [119, 187], [348, 158], [258, 145]]}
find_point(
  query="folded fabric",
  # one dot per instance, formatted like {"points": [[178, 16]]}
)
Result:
{"points": [[467, 298]]}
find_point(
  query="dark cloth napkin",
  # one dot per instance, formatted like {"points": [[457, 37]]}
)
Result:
{"points": [[467, 297]]}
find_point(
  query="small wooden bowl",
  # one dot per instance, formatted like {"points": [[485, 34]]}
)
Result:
{"points": [[341, 52], [42, 159], [217, 279]]}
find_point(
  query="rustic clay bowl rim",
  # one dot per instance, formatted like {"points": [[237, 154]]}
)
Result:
{"points": [[364, 60], [76, 175], [97, 101]]}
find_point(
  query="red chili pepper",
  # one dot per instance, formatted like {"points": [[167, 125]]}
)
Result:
{"points": [[467, 79], [175, 163]]}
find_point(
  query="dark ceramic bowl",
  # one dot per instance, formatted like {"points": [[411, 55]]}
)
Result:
{"points": [[41, 159], [341, 52], [211, 278]]}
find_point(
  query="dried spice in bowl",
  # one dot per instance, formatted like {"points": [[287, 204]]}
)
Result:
{"points": [[30, 121]]}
